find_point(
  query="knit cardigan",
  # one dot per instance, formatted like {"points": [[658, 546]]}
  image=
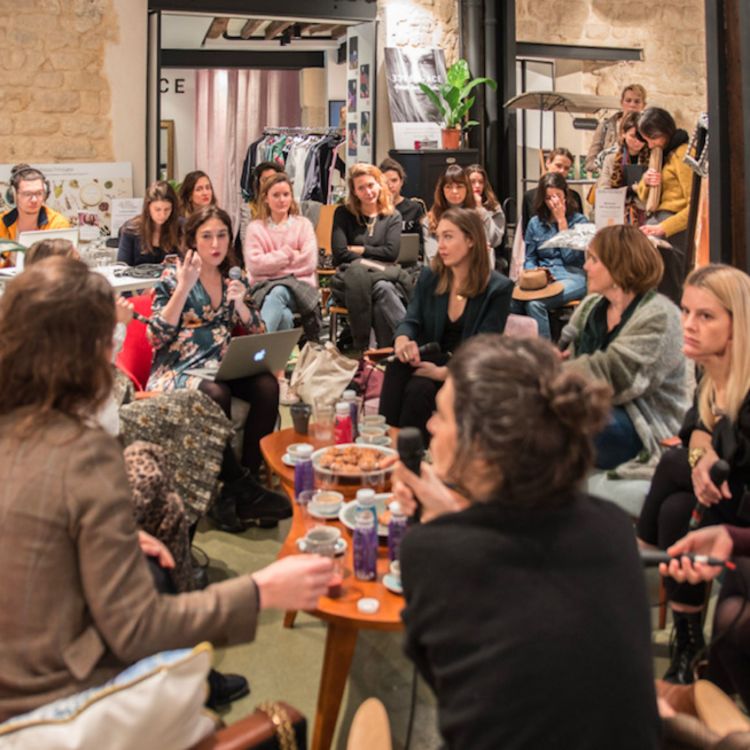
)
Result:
{"points": [[645, 367]]}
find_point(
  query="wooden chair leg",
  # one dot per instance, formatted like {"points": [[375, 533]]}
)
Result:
{"points": [[289, 617], [334, 326], [662, 604]]}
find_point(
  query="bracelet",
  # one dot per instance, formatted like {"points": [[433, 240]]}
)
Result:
{"points": [[695, 455]]}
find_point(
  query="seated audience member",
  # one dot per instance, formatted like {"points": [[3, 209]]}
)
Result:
{"points": [[629, 335], [512, 433], [454, 190], [153, 235], [261, 171], [553, 213], [48, 249], [729, 650], [675, 180], [196, 192], [412, 210], [196, 307], [281, 258], [631, 151], [607, 133], [559, 161], [28, 191], [76, 615], [459, 297], [485, 198], [365, 240], [715, 324]]}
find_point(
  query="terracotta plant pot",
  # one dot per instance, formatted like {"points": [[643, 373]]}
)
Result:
{"points": [[451, 138]]}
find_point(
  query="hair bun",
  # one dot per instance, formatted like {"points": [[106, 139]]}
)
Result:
{"points": [[581, 403]]}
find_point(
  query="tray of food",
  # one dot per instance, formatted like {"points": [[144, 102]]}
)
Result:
{"points": [[352, 464]]}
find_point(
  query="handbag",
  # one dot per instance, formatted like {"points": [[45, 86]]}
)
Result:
{"points": [[322, 372]]}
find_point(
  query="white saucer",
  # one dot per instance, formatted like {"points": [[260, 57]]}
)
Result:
{"points": [[326, 515], [286, 459], [392, 584], [339, 549]]}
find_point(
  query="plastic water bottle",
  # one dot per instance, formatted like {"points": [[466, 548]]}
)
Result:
{"points": [[350, 396], [396, 530], [304, 476], [342, 427], [365, 499], [365, 546]]}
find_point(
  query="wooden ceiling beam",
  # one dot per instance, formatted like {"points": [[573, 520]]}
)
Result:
{"points": [[250, 27], [276, 28], [217, 28]]}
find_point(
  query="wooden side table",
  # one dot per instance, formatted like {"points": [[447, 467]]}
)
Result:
{"points": [[343, 618]]}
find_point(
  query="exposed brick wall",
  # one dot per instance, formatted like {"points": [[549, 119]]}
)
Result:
{"points": [[55, 95], [670, 32]]}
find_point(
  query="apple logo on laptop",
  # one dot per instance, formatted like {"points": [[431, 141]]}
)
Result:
{"points": [[260, 355]]}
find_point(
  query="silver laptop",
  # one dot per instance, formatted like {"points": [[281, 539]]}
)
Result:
{"points": [[408, 252], [251, 355], [27, 239]]}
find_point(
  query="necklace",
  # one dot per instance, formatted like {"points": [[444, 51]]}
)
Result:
{"points": [[370, 221]]}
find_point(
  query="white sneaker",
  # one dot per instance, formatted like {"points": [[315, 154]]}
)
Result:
{"points": [[287, 396]]}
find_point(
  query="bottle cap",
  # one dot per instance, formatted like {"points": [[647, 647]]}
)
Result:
{"points": [[395, 508], [342, 408], [368, 606], [349, 395]]}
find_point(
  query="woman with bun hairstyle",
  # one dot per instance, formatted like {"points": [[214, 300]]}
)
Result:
{"points": [[154, 234], [513, 562]]}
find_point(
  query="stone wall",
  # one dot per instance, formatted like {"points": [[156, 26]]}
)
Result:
{"points": [[55, 94], [670, 32]]}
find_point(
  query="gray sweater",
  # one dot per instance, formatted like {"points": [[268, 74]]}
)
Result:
{"points": [[645, 367]]}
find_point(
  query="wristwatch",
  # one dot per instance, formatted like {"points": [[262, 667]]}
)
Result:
{"points": [[695, 455]]}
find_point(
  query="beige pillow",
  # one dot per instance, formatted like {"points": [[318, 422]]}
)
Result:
{"points": [[156, 704]]}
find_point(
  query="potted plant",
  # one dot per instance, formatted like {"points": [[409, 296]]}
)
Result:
{"points": [[453, 101]]}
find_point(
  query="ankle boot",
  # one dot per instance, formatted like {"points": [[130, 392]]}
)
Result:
{"points": [[687, 643], [224, 514]]}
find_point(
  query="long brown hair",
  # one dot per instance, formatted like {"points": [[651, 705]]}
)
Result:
{"points": [[385, 202], [263, 210], [144, 226], [187, 188], [627, 121], [57, 319], [528, 420], [454, 174], [196, 220], [470, 224], [489, 199]]}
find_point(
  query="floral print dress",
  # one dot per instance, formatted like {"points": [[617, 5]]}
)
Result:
{"points": [[200, 339]]}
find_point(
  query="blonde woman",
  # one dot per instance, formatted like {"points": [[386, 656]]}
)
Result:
{"points": [[715, 324], [368, 228]]}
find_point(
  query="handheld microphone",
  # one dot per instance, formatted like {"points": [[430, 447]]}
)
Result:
{"points": [[718, 473], [235, 274], [652, 557], [567, 336], [430, 348], [410, 453]]}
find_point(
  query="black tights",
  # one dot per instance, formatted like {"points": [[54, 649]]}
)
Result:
{"points": [[262, 393]]}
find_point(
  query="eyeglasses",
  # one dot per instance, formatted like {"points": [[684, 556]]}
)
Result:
{"points": [[31, 195]]}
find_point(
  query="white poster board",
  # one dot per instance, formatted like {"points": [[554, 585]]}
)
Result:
{"points": [[413, 114], [360, 80], [122, 210], [610, 207], [81, 192]]}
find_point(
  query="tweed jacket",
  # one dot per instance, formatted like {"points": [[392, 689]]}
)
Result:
{"points": [[78, 603], [644, 365]]}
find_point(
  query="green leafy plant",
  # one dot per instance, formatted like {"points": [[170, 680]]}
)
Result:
{"points": [[452, 97]]}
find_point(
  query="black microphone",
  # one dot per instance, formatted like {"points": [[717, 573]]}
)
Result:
{"points": [[410, 453], [652, 557], [718, 474], [235, 273], [430, 348], [567, 336]]}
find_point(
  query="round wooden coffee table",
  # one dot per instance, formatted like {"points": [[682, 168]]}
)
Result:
{"points": [[341, 614]]}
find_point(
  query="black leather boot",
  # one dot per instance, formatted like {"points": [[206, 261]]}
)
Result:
{"points": [[224, 513], [225, 688], [687, 643]]}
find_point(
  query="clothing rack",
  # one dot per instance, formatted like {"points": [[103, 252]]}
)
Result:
{"points": [[301, 130]]}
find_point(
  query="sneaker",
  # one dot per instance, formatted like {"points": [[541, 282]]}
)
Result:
{"points": [[287, 396]]}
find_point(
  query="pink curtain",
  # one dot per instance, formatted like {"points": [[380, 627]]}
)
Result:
{"points": [[231, 109]]}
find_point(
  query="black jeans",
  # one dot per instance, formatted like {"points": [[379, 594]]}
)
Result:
{"points": [[262, 393], [407, 400]]}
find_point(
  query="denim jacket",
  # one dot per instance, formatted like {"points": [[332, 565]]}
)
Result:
{"points": [[539, 231]]}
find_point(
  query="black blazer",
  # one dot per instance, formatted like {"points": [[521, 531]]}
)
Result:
{"points": [[428, 311]]}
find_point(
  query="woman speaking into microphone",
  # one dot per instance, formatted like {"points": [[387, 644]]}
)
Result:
{"points": [[458, 297], [526, 608]]}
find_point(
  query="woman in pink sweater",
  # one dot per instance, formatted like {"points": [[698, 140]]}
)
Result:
{"points": [[281, 258]]}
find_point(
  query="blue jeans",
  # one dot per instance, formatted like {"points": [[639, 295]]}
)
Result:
{"points": [[278, 309], [617, 442], [574, 281]]}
